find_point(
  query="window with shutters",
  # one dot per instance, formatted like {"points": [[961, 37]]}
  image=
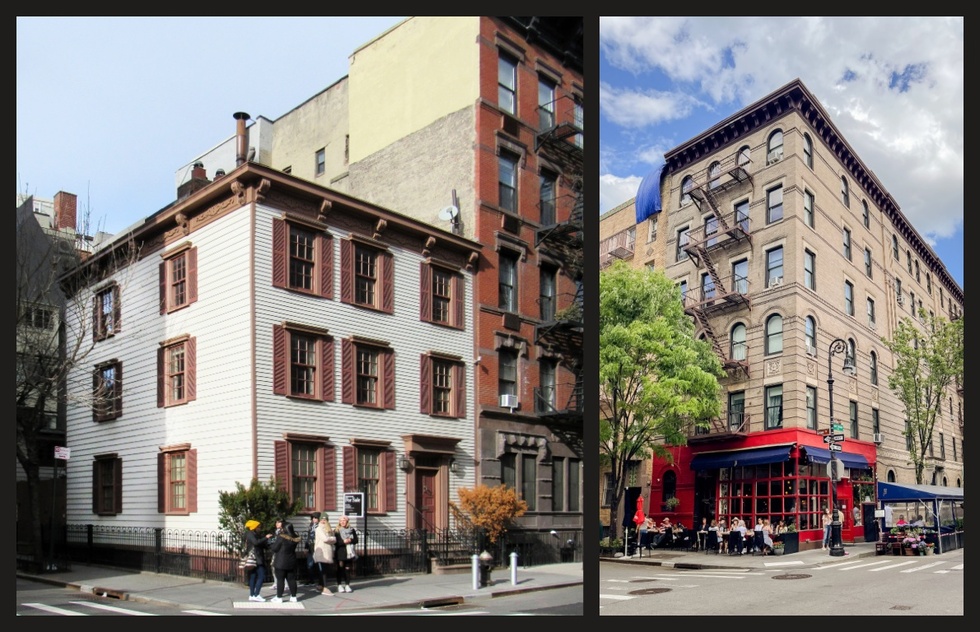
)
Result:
{"points": [[177, 480], [369, 467], [306, 469], [106, 312], [442, 291], [177, 371], [303, 362], [369, 373], [107, 485], [107, 391], [302, 257], [178, 278], [367, 274], [443, 385]]}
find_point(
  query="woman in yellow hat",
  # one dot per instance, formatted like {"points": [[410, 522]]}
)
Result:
{"points": [[256, 574]]}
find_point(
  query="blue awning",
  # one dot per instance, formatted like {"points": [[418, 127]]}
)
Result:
{"points": [[822, 455], [732, 458], [894, 492]]}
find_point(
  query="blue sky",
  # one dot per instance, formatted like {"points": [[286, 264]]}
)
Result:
{"points": [[110, 108], [893, 86]]}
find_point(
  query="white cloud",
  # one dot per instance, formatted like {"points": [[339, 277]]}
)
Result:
{"points": [[614, 190]]}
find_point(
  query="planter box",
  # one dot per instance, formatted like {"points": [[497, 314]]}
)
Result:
{"points": [[791, 542]]}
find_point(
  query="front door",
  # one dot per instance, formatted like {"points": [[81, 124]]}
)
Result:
{"points": [[425, 497]]}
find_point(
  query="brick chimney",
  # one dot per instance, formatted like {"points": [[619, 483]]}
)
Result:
{"points": [[65, 210], [199, 180]]}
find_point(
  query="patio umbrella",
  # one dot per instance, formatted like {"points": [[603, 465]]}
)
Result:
{"points": [[638, 517]]}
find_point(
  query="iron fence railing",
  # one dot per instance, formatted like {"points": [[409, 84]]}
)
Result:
{"points": [[204, 554]]}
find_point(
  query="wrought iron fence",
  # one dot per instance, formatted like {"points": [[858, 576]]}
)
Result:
{"points": [[204, 554]]}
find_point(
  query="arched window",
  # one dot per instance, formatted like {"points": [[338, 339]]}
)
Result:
{"points": [[670, 485], [811, 335], [774, 334], [744, 156], [874, 368], [891, 476], [774, 147], [714, 175], [739, 350], [852, 352], [845, 198], [808, 151], [686, 185]]}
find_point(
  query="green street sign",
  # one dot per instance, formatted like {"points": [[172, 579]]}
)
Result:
{"points": [[838, 427]]}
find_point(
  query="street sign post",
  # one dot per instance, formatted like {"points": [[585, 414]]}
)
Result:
{"points": [[837, 437], [827, 438]]}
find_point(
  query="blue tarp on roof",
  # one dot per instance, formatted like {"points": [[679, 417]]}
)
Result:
{"points": [[755, 456], [822, 455], [648, 195], [893, 492]]}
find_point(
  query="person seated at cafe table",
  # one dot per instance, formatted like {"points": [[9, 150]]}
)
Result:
{"points": [[901, 521], [918, 522]]}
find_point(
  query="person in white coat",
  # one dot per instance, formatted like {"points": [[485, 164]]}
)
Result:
{"points": [[323, 550]]}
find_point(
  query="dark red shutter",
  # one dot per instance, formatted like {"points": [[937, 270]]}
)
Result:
{"points": [[95, 318], [117, 484], [192, 481], [279, 360], [95, 486], [325, 248], [459, 303], [116, 309], [388, 381], [329, 478], [118, 391], [192, 276], [326, 369], [387, 282], [280, 252], [281, 467], [391, 491], [425, 292], [161, 378], [425, 382], [350, 468], [459, 389], [191, 369], [163, 287], [348, 375], [96, 396], [162, 481], [346, 271]]}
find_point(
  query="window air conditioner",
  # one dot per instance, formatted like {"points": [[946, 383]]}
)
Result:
{"points": [[877, 438], [773, 156], [775, 281], [901, 299], [508, 401], [810, 349]]}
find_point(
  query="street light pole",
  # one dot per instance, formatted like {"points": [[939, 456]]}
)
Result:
{"points": [[836, 546]]}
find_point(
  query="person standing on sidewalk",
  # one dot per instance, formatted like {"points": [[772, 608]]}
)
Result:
{"points": [[323, 551], [256, 574], [346, 542], [826, 519], [312, 568], [284, 561]]}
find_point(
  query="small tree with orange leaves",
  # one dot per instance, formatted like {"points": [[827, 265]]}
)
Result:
{"points": [[491, 508]]}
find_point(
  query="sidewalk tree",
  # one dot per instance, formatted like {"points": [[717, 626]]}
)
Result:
{"points": [[491, 508], [656, 380], [928, 368], [49, 265], [259, 501]]}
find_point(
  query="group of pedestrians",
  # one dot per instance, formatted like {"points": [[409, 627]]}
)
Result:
{"points": [[326, 546]]}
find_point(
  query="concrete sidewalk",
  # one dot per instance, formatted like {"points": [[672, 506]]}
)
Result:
{"points": [[392, 591], [700, 559]]}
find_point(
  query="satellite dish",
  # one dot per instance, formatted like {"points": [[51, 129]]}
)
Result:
{"points": [[448, 213]]}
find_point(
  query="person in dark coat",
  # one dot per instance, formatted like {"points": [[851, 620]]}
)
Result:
{"points": [[346, 534], [284, 561], [255, 576]]}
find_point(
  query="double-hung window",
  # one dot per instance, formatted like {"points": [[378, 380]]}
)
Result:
{"points": [[177, 482], [507, 280], [369, 373], [546, 104], [549, 185], [107, 482], [507, 83], [442, 292], [774, 204], [302, 258], [519, 472], [106, 310], [507, 181], [774, 406], [367, 274], [177, 371], [107, 391], [443, 385], [303, 362], [178, 278]]}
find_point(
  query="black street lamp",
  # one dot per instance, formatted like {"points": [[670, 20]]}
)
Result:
{"points": [[837, 346]]}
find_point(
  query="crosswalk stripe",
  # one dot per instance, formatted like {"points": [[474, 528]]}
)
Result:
{"points": [[617, 597], [54, 610], [887, 568], [102, 606], [920, 568], [206, 613]]}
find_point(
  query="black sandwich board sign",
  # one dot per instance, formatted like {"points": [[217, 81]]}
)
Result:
{"points": [[354, 504]]}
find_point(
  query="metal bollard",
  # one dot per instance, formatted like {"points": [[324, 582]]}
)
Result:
{"points": [[476, 571], [513, 568]]}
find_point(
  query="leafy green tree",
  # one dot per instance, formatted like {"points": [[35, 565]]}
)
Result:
{"points": [[656, 381], [259, 501], [928, 364]]}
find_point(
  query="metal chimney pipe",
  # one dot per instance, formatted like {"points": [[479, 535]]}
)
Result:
{"points": [[241, 137]]}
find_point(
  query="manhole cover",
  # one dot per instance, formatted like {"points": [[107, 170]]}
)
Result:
{"points": [[791, 576], [649, 591]]}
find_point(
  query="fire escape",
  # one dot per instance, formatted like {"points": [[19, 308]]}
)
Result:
{"points": [[721, 235], [560, 237]]}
